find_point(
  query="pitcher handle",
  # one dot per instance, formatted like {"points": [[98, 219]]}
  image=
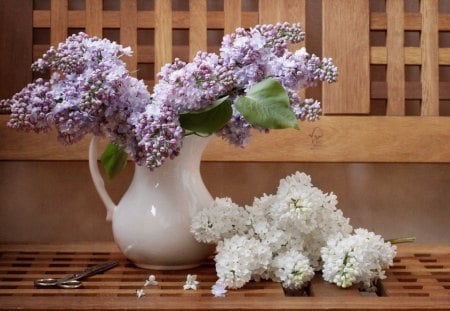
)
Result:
{"points": [[98, 180]]}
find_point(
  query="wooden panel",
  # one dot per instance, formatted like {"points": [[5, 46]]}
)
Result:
{"points": [[350, 94], [15, 46], [396, 58], [163, 33], [128, 31], [58, 21], [430, 58], [20, 265], [197, 27], [94, 17], [232, 14], [332, 139]]}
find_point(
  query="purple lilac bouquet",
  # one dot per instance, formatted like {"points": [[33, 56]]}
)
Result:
{"points": [[252, 83]]}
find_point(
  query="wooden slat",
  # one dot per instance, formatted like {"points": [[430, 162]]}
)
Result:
{"points": [[413, 21], [291, 11], [413, 90], [146, 19], [128, 31], [351, 54], [76, 19], [197, 27], [332, 139], [163, 33], [94, 18], [268, 12], [430, 58], [232, 14], [58, 21], [413, 55], [111, 19], [396, 58]]}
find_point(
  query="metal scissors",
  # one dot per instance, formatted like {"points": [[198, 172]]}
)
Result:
{"points": [[73, 280]]}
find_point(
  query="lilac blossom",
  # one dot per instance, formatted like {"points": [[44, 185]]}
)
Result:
{"points": [[31, 107], [195, 85], [91, 93], [91, 90], [261, 52], [159, 137]]}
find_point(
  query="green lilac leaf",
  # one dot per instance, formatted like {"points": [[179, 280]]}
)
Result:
{"points": [[266, 105], [114, 160], [208, 120]]}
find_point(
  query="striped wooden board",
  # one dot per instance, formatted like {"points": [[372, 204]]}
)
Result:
{"points": [[420, 279]]}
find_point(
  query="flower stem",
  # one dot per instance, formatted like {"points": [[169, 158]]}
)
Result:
{"points": [[410, 239]]}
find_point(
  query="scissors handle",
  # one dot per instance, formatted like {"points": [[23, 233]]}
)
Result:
{"points": [[73, 280], [51, 282]]}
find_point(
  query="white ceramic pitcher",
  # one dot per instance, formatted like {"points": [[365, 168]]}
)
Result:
{"points": [[151, 223]]}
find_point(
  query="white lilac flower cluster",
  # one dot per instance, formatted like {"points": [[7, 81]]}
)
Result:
{"points": [[287, 236], [91, 91], [356, 259]]}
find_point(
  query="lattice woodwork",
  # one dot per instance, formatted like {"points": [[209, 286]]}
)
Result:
{"points": [[419, 279], [414, 41]]}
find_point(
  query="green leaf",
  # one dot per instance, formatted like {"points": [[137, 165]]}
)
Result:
{"points": [[208, 120], [114, 160], [266, 105]]}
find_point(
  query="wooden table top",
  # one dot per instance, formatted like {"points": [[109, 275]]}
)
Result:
{"points": [[419, 280]]}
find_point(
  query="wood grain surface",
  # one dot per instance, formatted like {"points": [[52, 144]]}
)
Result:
{"points": [[331, 139], [419, 280]]}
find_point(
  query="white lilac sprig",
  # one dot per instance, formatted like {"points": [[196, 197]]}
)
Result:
{"points": [[360, 258], [239, 258], [292, 269], [222, 220], [288, 235]]}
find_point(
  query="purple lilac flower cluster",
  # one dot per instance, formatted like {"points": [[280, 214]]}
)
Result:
{"points": [[91, 91], [195, 85], [159, 137], [261, 52]]}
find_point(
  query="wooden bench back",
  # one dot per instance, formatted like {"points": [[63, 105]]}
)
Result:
{"points": [[375, 113]]}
